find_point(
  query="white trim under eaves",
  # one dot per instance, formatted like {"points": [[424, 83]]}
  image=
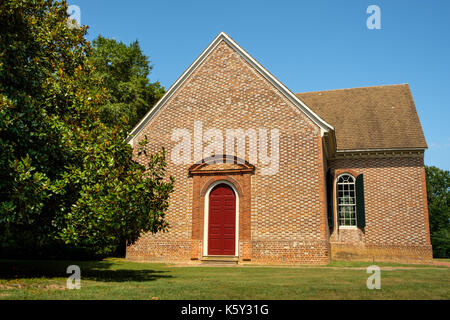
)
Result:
{"points": [[381, 150], [325, 127]]}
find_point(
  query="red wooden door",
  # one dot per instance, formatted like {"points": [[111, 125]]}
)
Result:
{"points": [[222, 221]]}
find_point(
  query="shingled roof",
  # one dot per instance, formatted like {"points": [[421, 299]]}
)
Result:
{"points": [[382, 117]]}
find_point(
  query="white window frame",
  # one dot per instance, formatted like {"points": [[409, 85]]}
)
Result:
{"points": [[338, 222]]}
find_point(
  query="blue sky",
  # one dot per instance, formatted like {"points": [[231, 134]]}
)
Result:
{"points": [[307, 45]]}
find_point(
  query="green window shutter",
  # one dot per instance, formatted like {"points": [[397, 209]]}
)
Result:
{"points": [[360, 207], [330, 199]]}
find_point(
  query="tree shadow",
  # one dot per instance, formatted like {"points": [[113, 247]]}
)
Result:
{"points": [[90, 270]]}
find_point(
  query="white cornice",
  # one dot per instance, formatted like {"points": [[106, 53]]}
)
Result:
{"points": [[380, 150], [378, 153]]}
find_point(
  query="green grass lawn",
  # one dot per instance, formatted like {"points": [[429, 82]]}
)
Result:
{"points": [[121, 279]]}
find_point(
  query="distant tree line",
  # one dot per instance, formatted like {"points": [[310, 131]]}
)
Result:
{"points": [[123, 71], [438, 196]]}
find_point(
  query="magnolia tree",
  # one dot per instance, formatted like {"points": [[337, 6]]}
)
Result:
{"points": [[66, 180]]}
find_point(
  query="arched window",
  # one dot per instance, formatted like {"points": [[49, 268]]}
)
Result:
{"points": [[346, 200]]}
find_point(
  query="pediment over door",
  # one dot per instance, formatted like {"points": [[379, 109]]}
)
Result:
{"points": [[222, 164]]}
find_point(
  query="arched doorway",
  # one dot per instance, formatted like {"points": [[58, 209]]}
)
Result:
{"points": [[222, 220]]}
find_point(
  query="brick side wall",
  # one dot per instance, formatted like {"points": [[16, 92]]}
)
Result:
{"points": [[287, 210], [396, 211]]}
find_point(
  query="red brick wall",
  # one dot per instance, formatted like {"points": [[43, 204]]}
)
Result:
{"points": [[283, 217], [287, 210], [396, 211]]}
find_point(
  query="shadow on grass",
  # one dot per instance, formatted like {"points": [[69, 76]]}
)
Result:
{"points": [[90, 270]]}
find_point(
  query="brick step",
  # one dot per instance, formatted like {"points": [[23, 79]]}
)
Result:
{"points": [[220, 260]]}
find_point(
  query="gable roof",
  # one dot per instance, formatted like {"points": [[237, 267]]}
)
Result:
{"points": [[382, 117], [258, 67]]}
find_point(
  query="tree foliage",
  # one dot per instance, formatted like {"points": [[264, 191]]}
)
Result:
{"points": [[124, 71], [438, 196], [66, 179]]}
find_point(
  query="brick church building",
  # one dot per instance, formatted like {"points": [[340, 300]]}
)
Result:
{"points": [[266, 176]]}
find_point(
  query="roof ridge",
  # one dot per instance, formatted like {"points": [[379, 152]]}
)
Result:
{"points": [[366, 87]]}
